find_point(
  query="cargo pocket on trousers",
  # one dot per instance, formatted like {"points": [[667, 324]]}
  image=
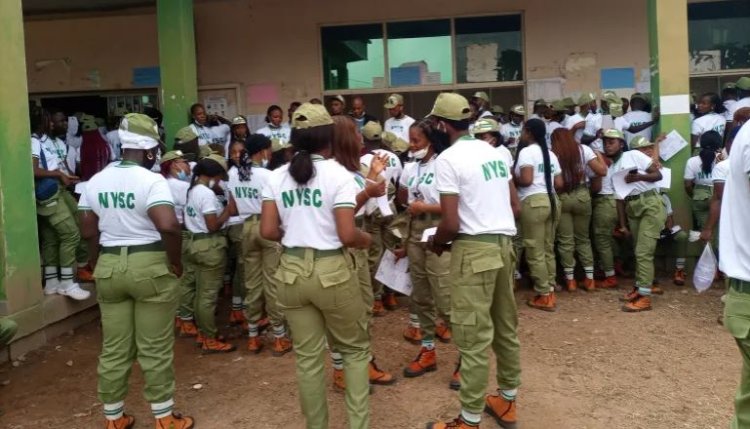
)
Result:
{"points": [[339, 283], [737, 314], [288, 292], [103, 277], [154, 284], [464, 325]]}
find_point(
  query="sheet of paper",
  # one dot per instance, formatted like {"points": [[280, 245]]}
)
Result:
{"points": [[394, 274], [666, 178], [676, 229], [427, 233], [672, 145], [384, 206], [622, 189]]}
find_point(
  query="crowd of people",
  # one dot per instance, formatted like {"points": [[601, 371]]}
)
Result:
{"points": [[296, 217]]}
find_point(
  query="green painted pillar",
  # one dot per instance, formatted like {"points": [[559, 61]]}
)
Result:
{"points": [[20, 278], [670, 88], [179, 82]]}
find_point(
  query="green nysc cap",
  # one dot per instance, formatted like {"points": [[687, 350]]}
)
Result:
{"points": [[640, 142], [568, 102], [372, 131], [613, 133], [518, 109], [452, 106], [172, 155], [586, 98], [743, 83], [310, 116], [485, 125], [279, 144], [184, 135], [559, 106], [138, 131], [397, 144]]}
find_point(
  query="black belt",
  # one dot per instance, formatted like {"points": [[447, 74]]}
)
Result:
{"points": [[642, 194], [740, 286], [116, 250], [484, 238], [427, 216], [604, 196], [299, 252]]}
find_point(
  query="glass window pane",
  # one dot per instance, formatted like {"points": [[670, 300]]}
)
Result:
{"points": [[353, 56], [719, 36], [419, 53], [489, 49]]}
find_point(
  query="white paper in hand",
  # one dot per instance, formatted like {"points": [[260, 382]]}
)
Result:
{"points": [[427, 233], [394, 274], [666, 178], [622, 188], [384, 206], [671, 145]]}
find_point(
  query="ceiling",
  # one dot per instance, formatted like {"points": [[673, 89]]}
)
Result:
{"points": [[41, 7]]}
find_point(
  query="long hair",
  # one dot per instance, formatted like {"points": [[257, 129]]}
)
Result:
{"points": [[307, 141], [39, 120], [346, 142], [538, 131], [95, 154], [165, 168], [710, 144], [718, 106], [439, 141], [569, 154], [253, 144], [205, 167]]}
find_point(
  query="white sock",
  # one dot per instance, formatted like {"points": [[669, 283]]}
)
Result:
{"points": [[508, 394], [569, 273], [50, 273], [680, 263], [609, 273], [236, 303], [414, 320], [589, 272], [517, 275], [162, 409], [114, 411], [66, 275], [471, 418], [279, 331], [337, 360]]}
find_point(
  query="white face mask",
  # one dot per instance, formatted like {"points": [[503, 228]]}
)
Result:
{"points": [[211, 183], [418, 155], [264, 163]]}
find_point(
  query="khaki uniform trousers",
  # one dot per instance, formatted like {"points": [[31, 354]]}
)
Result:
{"points": [[701, 205], [573, 228], [484, 314], [187, 281], [737, 322], [261, 260], [431, 294], [604, 221], [646, 217], [320, 296], [60, 235], [235, 236], [137, 297], [538, 231], [207, 256]]}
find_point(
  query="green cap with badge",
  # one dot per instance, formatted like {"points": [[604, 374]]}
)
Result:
{"points": [[138, 131], [610, 96], [518, 109], [559, 106], [88, 123], [393, 101], [613, 133], [397, 144], [171, 156], [615, 109], [372, 131], [204, 151], [278, 144], [638, 96], [219, 159], [743, 83], [482, 96], [239, 120], [451, 106], [310, 116], [497, 109], [729, 85], [639, 142], [586, 99], [485, 125], [541, 102], [184, 135], [568, 102]]}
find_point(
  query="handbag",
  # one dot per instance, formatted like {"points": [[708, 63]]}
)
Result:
{"points": [[46, 187]]}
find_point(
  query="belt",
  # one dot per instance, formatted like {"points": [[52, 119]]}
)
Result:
{"points": [[427, 216], [202, 235], [483, 238], [740, 286], [299, 252], [642, 194], [116, 250], [253, 218], [604, 196], [575, 188]]}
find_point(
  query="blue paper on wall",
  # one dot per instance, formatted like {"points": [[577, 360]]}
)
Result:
{"points": [[403, 76], [617, 78], [146, 76]]}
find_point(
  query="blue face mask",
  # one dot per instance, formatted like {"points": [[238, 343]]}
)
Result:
{"points": [[181, 175]]}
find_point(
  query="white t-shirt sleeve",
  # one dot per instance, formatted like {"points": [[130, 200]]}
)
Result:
{"points": [[526, 158], [642, 161], [588, 154], [83, 202], [745, 157], [689, 170], [696, 128], [159, 194], [36, 149], [346, 191], [206, 201], [447, 179]]}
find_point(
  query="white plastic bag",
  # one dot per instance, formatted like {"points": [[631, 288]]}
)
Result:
{"points": [[705, 270]]}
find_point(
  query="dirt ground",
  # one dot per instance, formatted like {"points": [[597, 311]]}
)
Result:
{"points": [[587, 366]]}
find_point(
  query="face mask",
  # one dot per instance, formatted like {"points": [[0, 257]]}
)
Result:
{"points": [[418, 155], [181, 175], [264, 163], [211, 183], [515, 122]]}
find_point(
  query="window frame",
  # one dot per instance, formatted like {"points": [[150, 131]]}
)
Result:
{"points": [[717, 74], [453, 86]]}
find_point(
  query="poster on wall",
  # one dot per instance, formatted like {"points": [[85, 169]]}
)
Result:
{"points": [[216, 106], [705, 61], [481, 62]]}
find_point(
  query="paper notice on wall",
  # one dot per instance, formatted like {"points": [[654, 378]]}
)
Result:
{"points": [[264, 94], [671, 145], [705, 61], [216, 106], [481, 62], [547, 89], [394, 274]]}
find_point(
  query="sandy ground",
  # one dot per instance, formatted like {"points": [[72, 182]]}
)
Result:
{"points": [[587, 366]]}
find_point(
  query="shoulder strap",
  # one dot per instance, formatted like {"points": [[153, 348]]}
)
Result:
{"points": [[42, 157]]}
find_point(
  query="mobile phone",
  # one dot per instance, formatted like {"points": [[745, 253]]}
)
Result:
{"points": [[633, 171]]}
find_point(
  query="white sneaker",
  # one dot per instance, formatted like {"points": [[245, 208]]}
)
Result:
{"points": [[74, 291], [51, 286]]}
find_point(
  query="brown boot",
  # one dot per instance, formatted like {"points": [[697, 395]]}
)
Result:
{"points": [[589, 285], [175, 421], [630, 296], [443, 333], [543, 302], [85, 274], [455, 383], [657, 290], [199, 340], [504, 412], [572, 285], [338, 379], [254, 344], [281, 346], [425, 362], [377, 308], [214, 345], [456, 423], [237, 317], [608, 283], [679, 277], [124, 422], [413, 335], [389, 301], [188, 329], [641, 303], [379, 377]]}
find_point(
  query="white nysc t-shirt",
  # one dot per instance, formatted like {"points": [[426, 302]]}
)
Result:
{"points": [[572, 121], [708, 122], [734, 229], [635, 160], [179, 191], [201, 201], [531, 156], [635, 118], [282, 133], [400, 127], [511, 132], [121, 197], [394, 168], [249, 194], [421, 182], [694, 172], [477, 173], [307, 211], [720, 171]]}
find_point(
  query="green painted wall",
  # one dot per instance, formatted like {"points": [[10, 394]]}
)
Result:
{"points": [[179, 81], [20, 279]]}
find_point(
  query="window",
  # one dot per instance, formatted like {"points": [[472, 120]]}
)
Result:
{"points": [[719, 36], [419, 53], [353, 57], [488, 49]]}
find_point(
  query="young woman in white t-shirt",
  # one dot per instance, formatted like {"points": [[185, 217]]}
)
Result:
{"points": [[575, 204], [276, 128], [698, 177], [205, 219], [309, 206], [537, 176], [711, 118]]}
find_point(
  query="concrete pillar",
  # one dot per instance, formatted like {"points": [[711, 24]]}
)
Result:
{"points": [[179, 82], [670, 88], [20, 278]]}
